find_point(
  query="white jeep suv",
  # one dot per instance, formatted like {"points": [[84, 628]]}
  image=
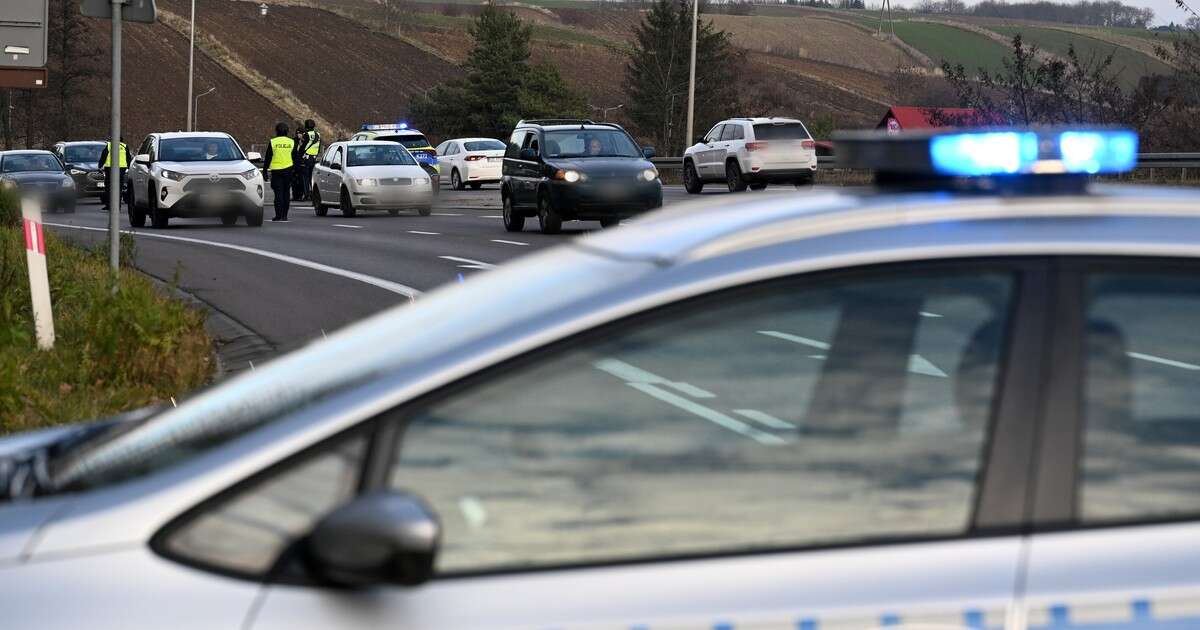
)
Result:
{"points": [[194, 174], [751, 152]]}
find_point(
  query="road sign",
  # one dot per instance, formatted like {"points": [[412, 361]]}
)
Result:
{"points": [[131, 11], [23, 33]]}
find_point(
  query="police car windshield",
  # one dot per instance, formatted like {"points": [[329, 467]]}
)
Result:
{"points": [[379, 155], [787, 131], [484, 145], [21, 163], [83, 153], [584, 143], [198, 150], [411, 141]]}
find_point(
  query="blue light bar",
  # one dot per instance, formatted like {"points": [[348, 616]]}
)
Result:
{"points": [[984, 153], [385, 126]]}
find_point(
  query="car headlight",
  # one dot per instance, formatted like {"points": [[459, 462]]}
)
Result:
{"points": [[67, 182], [367, 181], [76, 171], [172, 175], [568, 176], [421, 181], [249, 174], [649, 174]]}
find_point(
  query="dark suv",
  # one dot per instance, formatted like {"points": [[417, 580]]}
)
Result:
{"points": [[563, 170]]}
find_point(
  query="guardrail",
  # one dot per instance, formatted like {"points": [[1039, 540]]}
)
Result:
{"points": [[1145, 160]]}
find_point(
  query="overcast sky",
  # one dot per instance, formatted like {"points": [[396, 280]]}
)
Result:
{"points": [[1165, 11]]}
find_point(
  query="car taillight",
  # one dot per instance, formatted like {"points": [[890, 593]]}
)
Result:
{"points": [[755, 146], [808, 144], [474, 158]]}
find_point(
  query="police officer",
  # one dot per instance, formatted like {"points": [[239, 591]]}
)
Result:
{"points": [[278, 170], [105, 162], [310, 154], [297, 156]]}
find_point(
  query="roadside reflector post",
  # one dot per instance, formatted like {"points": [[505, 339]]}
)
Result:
{"points": [[39, 283]]}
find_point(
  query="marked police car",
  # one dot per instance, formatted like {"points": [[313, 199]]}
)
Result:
{"points": [[967, 402], [194, 174]]}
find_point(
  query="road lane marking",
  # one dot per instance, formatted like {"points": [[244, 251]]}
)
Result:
{"points": [[446, 214], [500, 240], [473, 512], [469, 264], [764, 418], [634, 374], [425, 233], [928, 314], [812, 343], [1149, 357], [387, 285], [491, 216], [712, 415], [353, 227]]}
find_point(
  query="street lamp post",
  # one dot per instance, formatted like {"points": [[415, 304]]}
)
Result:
{"points": [[692, 73], [196, 109], [191, 65], [605, 110]]}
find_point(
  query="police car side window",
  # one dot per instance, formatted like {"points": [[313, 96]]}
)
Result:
{"points": [[790, 414], [1141, 443]]}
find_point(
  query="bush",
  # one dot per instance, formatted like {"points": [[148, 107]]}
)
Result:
{"points": [[10, 209], [113, 352]]}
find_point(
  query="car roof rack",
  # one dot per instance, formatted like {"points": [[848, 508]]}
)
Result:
{"points": [[556, 121]]}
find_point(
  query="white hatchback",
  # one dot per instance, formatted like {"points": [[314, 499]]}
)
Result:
{"points": [[472, 161]]}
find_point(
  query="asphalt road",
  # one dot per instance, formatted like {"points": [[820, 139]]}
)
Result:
{"points": [[293, 282]]}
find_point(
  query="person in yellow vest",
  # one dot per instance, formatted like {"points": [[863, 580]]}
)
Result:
{"points": [[310, 154], [279, 167], [105, 162]]}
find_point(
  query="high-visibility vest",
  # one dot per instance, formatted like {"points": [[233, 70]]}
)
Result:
{"points": [[314, 143], [122, 160], [281, 153]]}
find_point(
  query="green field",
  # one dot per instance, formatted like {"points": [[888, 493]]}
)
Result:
{"points": [[941, 42], [1129, 64]]}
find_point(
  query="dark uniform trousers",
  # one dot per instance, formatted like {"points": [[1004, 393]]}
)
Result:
{"points": [[281, 185]]}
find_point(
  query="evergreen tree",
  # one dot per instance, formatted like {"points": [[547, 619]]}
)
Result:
{"points": [[501, 86], [657, 75]]}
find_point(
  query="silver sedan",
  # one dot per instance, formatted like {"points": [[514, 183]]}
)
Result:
{"points": [[370, 175], [921, 410]]}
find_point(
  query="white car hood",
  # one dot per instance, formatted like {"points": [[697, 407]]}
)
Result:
{"points": [[359, 172], [224, 167]]}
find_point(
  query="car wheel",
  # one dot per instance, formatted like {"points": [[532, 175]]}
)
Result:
{"points": [[513, 220], [254, 217], [610, 222], [548, 218], [759, 186], [347, 206], [733, 177], [475, 185], [229, 218], [456, 180], [158, 216], [425, 211], [137, 216], [320, 208], [691, 180]]}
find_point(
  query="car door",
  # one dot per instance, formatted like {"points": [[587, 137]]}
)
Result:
{"points": [[732, 139], [707, 151], [818, 451], [325, 173], [1121, 452], [528, 172], [337, 173], [141, 173]]}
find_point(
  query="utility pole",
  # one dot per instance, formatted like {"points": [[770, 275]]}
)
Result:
{"points": [[196, 109], [191, 65], [692, 74]]}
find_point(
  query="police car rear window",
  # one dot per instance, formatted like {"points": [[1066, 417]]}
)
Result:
{"points": [[409, 141]]}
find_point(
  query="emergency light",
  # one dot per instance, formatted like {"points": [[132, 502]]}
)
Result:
{"points": [[1019, 155], [385, 126]]}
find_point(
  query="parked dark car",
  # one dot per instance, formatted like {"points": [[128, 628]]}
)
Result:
{"points": [[39, 174], [564, 170], [82, 160]]}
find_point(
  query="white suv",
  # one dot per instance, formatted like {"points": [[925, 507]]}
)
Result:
{"points": [[751, 152], [194, 174]]}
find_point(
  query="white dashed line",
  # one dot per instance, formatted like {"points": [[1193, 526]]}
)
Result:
{"points": [[491, 216], [712, 415], [386, 285], [353, 227], [917, 364], [812, 343], [445, 214], [928, 314], [764, 418], [425, 233], [468, 263], [498, 240], [1159, 360]]}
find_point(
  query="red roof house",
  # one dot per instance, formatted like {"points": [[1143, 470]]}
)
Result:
{"points": [[899, 118]]}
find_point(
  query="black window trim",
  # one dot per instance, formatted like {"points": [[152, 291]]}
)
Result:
{"points": [[1058, 492], [1001, 458]]}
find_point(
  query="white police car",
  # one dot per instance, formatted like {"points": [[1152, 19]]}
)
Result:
{"points": [[972, 404]]}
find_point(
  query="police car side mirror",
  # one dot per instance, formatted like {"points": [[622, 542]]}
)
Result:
{"points": [[386, 537], [142, 158], [254, 157]]}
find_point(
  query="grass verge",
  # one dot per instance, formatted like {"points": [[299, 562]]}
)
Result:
{"points": [[113, 352]]}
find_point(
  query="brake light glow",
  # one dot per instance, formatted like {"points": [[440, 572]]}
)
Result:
{"points": [[474, 158], [755, 146], [808, 144]]}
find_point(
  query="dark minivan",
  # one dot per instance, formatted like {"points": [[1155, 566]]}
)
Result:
{"points": [[575, 170]]}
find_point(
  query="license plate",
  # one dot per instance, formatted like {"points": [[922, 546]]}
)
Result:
{"points": [[495, 159], [211, 200], [99, 184]]}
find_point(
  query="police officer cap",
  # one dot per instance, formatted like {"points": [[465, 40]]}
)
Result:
{"points": [[309, 124], [281, 129]]}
